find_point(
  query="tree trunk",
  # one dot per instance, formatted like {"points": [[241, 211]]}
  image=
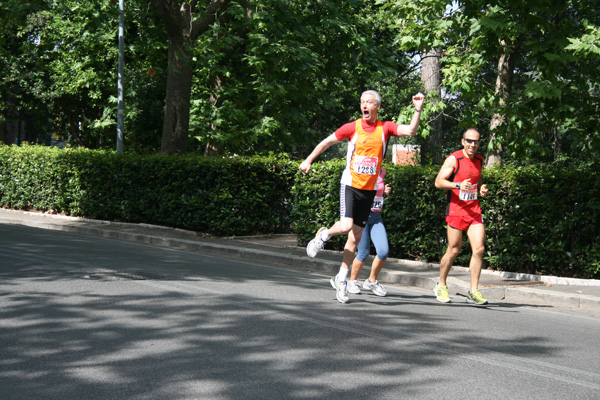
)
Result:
{"points": [[217, 81], [3, 136], [177, 106], [506, 66], [213, 147], [431, 77], [182, 30]]}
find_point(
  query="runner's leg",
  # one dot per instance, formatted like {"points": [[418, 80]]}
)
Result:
{"points": [[476, 235], [363, 253], [380, 240], [455, 238]]}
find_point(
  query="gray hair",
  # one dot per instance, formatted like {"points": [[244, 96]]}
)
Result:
{"points": [[374, 93]]}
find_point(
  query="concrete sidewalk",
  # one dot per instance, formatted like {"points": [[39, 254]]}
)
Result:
{"points": [[282, 250]]}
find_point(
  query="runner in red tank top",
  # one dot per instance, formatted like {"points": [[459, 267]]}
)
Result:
{"points": [[460, 176]]}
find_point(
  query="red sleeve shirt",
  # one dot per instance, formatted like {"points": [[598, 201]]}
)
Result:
{"points": [[366, 149], [347, 130]]}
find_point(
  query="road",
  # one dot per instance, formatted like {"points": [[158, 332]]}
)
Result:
{"points": [[89, 318]]}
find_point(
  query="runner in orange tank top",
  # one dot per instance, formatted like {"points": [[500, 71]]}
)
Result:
{"points": [[367, 138]]}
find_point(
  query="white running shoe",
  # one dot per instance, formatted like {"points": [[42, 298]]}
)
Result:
{"points": [[316, 245], [341, 289], [353, 287], [375, 287]]}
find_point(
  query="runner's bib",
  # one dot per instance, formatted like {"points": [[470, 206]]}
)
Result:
{"points": [[365, 165], [377, 204], [468, 195]]}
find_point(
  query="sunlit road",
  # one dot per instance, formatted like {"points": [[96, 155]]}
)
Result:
{"points": [[89, 318]]}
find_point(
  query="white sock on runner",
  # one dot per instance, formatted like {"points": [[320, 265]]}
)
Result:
{"points": [[343, 274]]}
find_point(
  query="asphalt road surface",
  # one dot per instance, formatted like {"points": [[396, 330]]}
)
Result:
{"points": [[89, 318]]}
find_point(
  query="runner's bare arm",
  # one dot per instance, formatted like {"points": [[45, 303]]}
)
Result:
{"points": [[320, 148], [441, 180], [411, 129]]}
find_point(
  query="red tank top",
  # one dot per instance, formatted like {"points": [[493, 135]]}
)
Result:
{"points": [[460, 202]]}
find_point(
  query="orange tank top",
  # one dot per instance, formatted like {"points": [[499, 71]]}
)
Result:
{"points": [[364, 157]]}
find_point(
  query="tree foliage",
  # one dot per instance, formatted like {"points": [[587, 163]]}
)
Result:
{"points": [[289, 72], [550, 111], [61, 59], [279, 75]]}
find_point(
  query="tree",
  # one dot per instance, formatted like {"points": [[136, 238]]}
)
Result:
{"points": [[431, 78], [278, 75], [543, 93], [184, 23], [506, 68], [18, 68], [422, 29], [291, 72], [504, 77], [59, 72], [268, 75]]}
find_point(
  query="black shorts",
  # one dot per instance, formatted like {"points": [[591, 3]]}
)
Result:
{"points": [[356, 204]]}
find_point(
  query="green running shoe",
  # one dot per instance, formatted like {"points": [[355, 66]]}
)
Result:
{"points": [[476, 298], [441, 294]]}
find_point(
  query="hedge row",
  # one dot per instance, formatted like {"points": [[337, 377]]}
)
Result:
{"points": [[538, 219], [237, 196]]}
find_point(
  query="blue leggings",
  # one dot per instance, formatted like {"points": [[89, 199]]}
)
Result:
{"points": [[375, 231]]}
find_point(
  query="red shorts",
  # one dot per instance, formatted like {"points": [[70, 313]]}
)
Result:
{"points": [[463, 222]]}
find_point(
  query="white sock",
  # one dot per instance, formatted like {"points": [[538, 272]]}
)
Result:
{"points": [[324, 236], [343, 274]]}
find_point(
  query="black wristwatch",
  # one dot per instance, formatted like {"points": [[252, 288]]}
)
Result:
{"points": [[458, 185]]}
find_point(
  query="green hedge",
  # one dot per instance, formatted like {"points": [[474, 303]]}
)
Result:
{"points": [[544, 220], [538, 219], [238, 196]]}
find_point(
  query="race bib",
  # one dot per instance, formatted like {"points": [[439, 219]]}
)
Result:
{"points": [[377, 204], [365, 165], [468, 195]]}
